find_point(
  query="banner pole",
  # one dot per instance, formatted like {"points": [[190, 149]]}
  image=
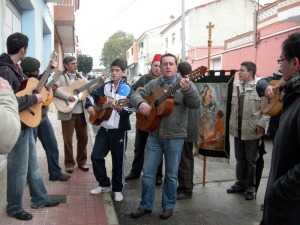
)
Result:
{"points": [[209, 27]]}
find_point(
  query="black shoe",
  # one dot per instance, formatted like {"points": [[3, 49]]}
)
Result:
{"points": [[181, 196], [132, 176], [140, 212], [84, 168], [166, 213], [23, 215], [62, 177], [52, 203], [70, 169], [235, 189], [158, 181], [249, 195]]}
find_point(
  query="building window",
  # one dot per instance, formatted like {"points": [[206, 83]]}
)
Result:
{"points": [[173, 39], [167, 43]]}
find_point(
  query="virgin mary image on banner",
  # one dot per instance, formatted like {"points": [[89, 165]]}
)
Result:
{"points": [[216, 94], [212, 108]]}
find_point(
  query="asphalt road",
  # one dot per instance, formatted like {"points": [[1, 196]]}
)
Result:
{"points": [[210, 204]]}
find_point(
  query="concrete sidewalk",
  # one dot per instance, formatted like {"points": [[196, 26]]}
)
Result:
{"points": [[81, 207]]}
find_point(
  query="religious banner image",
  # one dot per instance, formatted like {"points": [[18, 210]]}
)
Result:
{"points": [[215, 93]]}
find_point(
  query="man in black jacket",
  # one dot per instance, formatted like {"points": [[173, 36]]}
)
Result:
{"points": [[282, 198], [22, 162]]}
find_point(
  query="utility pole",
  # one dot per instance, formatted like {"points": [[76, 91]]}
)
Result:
{"points": [[183, 32]]}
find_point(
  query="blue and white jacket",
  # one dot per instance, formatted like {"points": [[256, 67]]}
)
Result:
{"points": [[117, 120]]}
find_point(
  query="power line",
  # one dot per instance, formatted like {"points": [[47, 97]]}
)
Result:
{"points": [[120, 12]]}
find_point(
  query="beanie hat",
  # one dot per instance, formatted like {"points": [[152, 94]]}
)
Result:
{"points": [[30, 64], [156, 58]]}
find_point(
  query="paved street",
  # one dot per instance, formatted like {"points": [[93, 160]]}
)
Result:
{"points": [[210, 205]]}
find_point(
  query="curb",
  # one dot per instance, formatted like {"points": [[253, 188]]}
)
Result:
{"points": [[108, 203]]}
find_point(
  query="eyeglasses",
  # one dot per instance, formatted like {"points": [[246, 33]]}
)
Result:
{"points": [[280, 60], [242, 71]]}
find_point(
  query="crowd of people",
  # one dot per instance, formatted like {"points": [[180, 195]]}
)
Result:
{"points": [[172, 138]]}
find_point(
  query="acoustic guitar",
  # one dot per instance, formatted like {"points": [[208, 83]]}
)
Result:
{"points": [[32, 115], [162, 103], [103, 110], [78, 90], [49, 86], [273, 106]]}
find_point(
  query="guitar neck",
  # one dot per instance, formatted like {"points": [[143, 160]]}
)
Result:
{"points": [[86, 86], [55, 78], [43, 80], [194, 75]]}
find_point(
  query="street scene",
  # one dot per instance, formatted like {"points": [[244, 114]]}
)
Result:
{"points": [[209, 205], [139, 112]]}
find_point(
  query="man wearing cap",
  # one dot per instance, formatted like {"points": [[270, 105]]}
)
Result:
{"points": [[44, 131], [140, 135]]}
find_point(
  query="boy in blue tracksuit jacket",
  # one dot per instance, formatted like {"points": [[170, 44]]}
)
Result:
{"points": [[112, 134]]}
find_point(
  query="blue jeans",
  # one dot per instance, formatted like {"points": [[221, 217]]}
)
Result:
{"points": [[46, 135], [171, 148], [21, 164]]}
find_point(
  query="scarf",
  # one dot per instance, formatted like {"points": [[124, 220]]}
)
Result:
{"points": [[292, 83]]}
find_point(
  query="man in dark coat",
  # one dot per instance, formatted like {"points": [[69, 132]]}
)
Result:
{"points": [[282, 199]]}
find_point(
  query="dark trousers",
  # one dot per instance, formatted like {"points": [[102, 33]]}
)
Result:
{"points": [[186, 169], [115, 141], [77, 123], [139, 151], [246, 154]]}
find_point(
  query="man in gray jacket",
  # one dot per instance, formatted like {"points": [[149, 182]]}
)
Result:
{"points": [[247, 125], [168, 138]]}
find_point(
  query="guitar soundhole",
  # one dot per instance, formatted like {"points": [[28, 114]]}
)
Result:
{"points": [[76, 92]]}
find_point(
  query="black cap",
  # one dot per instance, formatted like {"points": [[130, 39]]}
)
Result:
{"points": [[30, 64]]}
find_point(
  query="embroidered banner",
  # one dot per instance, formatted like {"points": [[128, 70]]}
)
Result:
{"points": [[216, 93]]}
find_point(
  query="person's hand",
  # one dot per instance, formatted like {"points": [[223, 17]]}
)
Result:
{"points": [[259, 130], [270, 91], [91, 110], [55, 86], [145, 109], [103, 78], [4, 84], [115, 107], [71, 99], [185, 83], [39, 97]]}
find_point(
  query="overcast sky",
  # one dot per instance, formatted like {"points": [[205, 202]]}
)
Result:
{"points": [[97, 20]]}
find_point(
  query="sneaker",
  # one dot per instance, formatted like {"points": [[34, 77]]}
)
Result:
{"points": [[99, 190], [118, 196]]}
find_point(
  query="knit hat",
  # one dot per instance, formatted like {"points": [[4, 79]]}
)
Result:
{"points": [[30, 64], [156, 58]]}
